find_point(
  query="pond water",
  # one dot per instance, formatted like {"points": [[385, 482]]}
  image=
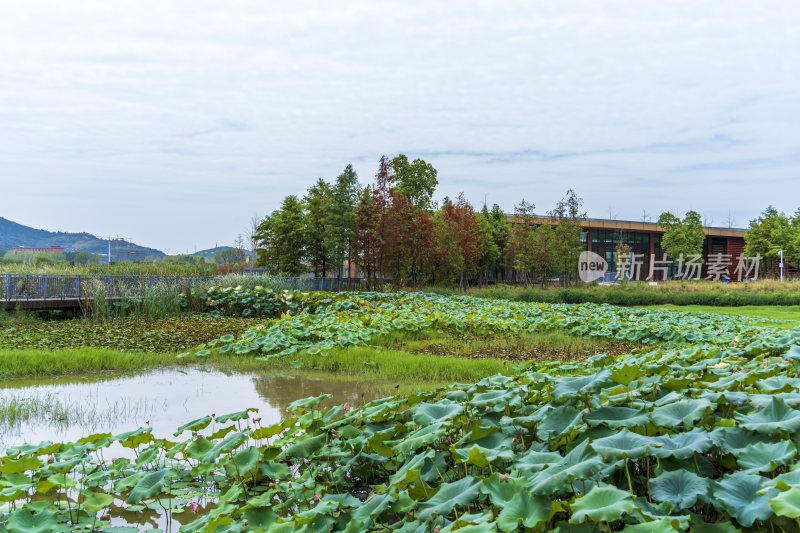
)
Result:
{"points": [[66, 408]]}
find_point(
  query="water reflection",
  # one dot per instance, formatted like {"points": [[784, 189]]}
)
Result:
{"points": [[66, 408]]}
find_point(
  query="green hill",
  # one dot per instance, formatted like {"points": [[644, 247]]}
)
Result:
{"points": [[13, 234]]}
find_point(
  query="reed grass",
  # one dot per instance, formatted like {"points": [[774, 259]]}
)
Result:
{"points": [[48, 408], [401, 366], [20, 363], [369, 362]]}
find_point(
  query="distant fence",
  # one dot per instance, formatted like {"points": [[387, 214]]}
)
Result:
{"points": [[65, 287]]}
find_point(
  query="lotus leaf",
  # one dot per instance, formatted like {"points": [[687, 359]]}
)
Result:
{"points": [[601, 504]]}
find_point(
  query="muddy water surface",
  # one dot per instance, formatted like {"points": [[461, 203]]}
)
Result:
{"points": [[69, 407]]}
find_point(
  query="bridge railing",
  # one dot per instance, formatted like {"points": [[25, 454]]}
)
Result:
{"points": [[63, 287]]}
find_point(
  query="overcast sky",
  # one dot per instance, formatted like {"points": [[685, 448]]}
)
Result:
{"points": [[171, 123]]}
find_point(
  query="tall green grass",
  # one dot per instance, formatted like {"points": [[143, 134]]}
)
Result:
{"points": [[20, 363], [396, 365], [375, 363]]}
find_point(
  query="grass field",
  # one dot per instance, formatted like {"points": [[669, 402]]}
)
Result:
{"points": [[788, 313]]}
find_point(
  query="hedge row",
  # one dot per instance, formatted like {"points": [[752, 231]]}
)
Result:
{"points": [[641, 296]]}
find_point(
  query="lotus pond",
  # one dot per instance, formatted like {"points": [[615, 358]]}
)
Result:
{"points": [[697, 433], [69, 407]]}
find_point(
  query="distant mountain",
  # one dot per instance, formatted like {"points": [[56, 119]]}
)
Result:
{"points": [[209, 254], [13, 234]]}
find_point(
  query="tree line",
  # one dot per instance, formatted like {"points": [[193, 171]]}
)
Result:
{"points": [[772, 232], [392, 229]]}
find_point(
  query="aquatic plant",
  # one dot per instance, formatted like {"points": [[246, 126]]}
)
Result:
{"points": [[698, 437]]}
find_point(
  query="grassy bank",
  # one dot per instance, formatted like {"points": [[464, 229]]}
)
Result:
{"points": [[368, 362], [765, 292], [30, 362]]}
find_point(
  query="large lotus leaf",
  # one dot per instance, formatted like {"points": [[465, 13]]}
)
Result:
{"points": [[679, 487], [793, 353], [617, 417], [775, 417], [787, 503], [785, 481], [661, 525], [534, 461], [245, 461], [148, 487], [496, 400], [624, 444], [524, 510], [766, 457], [601, 504], [472, 523], [701, 526], [307, 403], [449, 495], [681, 413], [18, 466], [625, 374], [558, 421], [581, 386], [646, 512], [411, 469], [580, 463], [733, 439], [194, 425], [737, 495], [682, 445], [431, 413], [416, 439], [307, 447], [776, 384], [501, 489], [735, 398], [23, 521], [260, 518], [483, 451], [94, 501]]}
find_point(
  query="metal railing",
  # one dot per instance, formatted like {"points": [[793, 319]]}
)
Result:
{"points": [[63, 287]]}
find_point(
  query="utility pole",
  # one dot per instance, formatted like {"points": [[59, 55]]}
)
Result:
{"points": [[110, 238]]}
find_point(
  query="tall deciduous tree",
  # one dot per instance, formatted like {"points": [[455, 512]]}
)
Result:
{"points": [[497, 229], [317, 204], [416, 180], [682, 236], [568, 215], [460, 238], [770, 233], [368, 241], [281, 239], [340, 223], [541, 258], [520, 244]]}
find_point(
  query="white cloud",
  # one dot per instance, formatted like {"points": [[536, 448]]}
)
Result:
{"points": [[172, 122]]}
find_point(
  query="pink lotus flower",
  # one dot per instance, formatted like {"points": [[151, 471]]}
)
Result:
{"points": [[193, 507], [346, 406], [719, 332]]}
